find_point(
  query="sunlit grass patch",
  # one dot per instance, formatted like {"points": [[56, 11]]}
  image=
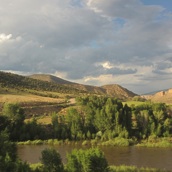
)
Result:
{"points": [[156, 142], [124, 168]]}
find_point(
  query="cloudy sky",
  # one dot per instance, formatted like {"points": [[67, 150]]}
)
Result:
{"points": [[97, 42]]}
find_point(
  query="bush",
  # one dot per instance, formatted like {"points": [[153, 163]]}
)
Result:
{"points": [[117, 142], [91, 160], [51, 160]]}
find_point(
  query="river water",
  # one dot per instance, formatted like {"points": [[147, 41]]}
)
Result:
{"points": [[138, 156]]}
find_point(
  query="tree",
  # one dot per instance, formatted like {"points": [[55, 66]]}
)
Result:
{"points": [[91, 160], [55, 124], [8, 156], [4, 121], [51, 160], [75, 123], [15, 115], [14, 112]]}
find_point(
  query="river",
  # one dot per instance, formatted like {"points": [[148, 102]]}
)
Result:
{"points": [[138, 156]]}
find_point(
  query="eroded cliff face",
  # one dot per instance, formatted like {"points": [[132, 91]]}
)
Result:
{"points": [[162, 96]]}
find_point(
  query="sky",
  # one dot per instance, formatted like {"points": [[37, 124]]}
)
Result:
{"points": [[93, 42]]}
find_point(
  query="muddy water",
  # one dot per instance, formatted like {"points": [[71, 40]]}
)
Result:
{"points": [[140, 157]]}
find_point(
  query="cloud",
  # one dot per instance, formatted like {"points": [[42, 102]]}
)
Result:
{"points": [[4, 37], [129, 10], [88, 41]]}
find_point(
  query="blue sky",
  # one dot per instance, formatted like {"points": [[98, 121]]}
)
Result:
{"points": [[167, 4], [96, 42]]}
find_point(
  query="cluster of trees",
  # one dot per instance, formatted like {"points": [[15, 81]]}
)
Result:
{"points": [[12, 121], [94, 117], [152, 119], [107, 118], [90, 160]]}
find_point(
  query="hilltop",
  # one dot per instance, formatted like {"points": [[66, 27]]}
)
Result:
{"points": [[50, 78]]}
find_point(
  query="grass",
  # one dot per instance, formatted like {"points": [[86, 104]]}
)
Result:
{"points": [[116, 142], [18, 98], [121, 168], [156, 142], [45, 120], [124, 168], [133, 103], [36, 167], [42, 142]]}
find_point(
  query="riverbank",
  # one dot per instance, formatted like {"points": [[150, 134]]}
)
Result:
{"points": [[150, 142], [121, 168], [156, 142]]}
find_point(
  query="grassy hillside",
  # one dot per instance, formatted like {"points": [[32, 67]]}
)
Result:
{"points": [[117, 90], [44, 94], [13, 81], [113, 90]]}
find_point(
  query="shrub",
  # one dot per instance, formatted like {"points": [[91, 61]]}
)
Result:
{"points": [[91, 160]]}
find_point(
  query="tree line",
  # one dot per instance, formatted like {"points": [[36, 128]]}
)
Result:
{"points": [[94, 117]]}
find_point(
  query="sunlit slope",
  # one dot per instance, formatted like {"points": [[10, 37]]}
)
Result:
{"points": [[113, 90]]}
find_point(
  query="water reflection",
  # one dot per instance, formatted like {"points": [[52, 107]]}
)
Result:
{"points": [[138, 156]]}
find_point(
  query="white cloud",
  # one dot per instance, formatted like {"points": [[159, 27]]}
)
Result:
{"points": [[4, 37], [96, 41]]}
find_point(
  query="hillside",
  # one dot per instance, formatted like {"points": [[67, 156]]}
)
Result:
{"points": [[49, 83], [164, 96], [49, 78], [109, 90], [23, 83], [118, 91]]}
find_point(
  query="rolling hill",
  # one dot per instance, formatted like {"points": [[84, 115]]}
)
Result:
{"points": [[43, 82], [109, 90], [23, 83]]}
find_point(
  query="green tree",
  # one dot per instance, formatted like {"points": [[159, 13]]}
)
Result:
{"points": [[75, 123], [55, 124], [15, 115], [4, 122], [14, 112], [9, 161], [91, 160], [8, 154], [51, 160]]}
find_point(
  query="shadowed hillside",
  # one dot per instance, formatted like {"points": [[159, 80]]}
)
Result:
{"points": [[9, 80]]}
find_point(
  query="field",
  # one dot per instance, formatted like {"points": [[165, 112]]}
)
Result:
{"points": [[27, 98], [133, 103], [35, 105]]}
